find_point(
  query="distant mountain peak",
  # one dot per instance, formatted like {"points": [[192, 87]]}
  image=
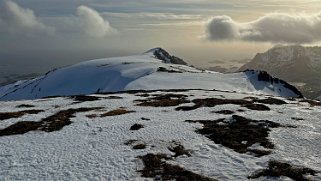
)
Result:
{"points": [[163, 55], [284, 53], [293, 63]]}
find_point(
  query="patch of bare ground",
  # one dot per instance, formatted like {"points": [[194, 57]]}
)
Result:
{"points": [[52, 123], [91, 116], [136, 127], [50, 97], [25, 106], [312, 102], [83, 98], [113, 97], [212, 102], [9, 115], [178, 149], [278, 169], [239, 133], [116, 112], [156, 167], [297, 119], [226, 112], [136, 145], [139, 146], [257, 107], [143, 95], [271, 101], [164, 100], [163, 69]]}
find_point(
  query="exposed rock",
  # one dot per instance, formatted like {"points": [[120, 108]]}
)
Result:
{"points": [[9, 115], [157, 168], [161, 54], [239, 133], [278, 169]]}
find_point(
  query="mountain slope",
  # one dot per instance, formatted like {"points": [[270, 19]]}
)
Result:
{"points": [[161, 135], [155, 69], [296, 64]]}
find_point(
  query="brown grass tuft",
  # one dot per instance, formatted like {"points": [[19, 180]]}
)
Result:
{"points": [[156, 167], [9, 115], [52, 123], [116, 112], [278, 169], [212, 102], [166, 100], [239, 134], [136, 127], [139, 147]]}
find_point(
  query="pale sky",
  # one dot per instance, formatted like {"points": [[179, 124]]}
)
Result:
{"points": [[51, 33]]}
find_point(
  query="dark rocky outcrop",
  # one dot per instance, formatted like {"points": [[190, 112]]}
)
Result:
{"points": [[161, 54], [266, 77]]}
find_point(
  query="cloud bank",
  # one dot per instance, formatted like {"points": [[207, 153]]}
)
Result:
{"points": [[92, 23], [275, 28], [16, 19]]}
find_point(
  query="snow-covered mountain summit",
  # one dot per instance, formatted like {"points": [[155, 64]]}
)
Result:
{"points": [[162, 54], [292, 56], [153, 70], [294, 63]]}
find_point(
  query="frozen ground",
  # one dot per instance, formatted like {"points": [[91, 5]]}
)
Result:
{"points": [[102, 145]]}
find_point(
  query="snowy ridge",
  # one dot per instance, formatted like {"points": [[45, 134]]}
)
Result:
{"points": [[150, 71]]}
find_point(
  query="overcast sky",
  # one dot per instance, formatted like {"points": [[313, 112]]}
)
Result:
{"points": [[51, 33]]}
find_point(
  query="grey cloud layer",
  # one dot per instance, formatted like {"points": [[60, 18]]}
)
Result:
{"points": [[276, 28]]}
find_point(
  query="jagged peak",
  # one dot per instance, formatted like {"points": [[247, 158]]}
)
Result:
{"points": [[160, 53], [157, 49], [266, 77], [163, 55]]}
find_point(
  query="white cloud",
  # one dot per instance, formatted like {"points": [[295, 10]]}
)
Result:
{"points": [[16, 19], [275, 27], [92, 23], [87, 22]]}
